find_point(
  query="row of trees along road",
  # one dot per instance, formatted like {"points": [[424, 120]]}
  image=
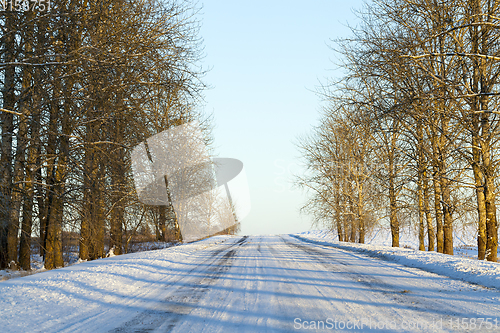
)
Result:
{"points": [[409, 135], [81, 85]]}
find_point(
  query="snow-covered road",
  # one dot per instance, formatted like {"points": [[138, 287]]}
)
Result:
{"points": [[246, 284]]}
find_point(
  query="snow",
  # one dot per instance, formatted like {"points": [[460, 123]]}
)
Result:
{"points": [[50, 299], [70, 257], [279, 283], [36, 267], [484, 273]]}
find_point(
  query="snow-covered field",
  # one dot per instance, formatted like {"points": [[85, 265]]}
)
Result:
{"points": [[278, 283]]}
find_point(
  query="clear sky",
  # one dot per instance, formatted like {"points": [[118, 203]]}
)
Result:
{"points": [[266, 60]]}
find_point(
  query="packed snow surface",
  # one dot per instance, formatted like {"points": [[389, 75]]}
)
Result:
{"points": [[484, 273], [284, 283]]}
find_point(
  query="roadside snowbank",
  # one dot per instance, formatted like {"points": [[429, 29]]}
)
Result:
{"points": [[125, 284], [469, 270], [71, 258]]}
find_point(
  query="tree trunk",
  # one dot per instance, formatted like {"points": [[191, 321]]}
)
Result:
{"points": [[337, 218], [475, 106], [491, 223], [118, 186], [58, 150], [7, 122], [480, 196], [420, 185], [29, 109], [428, 215], [436, 176], [360, 213], [421, 213], [89, 199], [445, 189], [162, 222], [447, 218], [394, 223], [489, 194], [489, 180]]}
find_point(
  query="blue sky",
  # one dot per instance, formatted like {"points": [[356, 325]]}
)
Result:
{"points": [[266, 60]]}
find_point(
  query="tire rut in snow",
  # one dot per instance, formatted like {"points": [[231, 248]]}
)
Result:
{"points": [[183, 300], [332, 264], [403, 297]]}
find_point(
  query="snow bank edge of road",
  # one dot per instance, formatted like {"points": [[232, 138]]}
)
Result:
{"points": [[14, 276], [483, 273]]}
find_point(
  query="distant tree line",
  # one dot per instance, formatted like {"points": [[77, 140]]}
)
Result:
{"points": [[410, 134], [81, 85]]}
